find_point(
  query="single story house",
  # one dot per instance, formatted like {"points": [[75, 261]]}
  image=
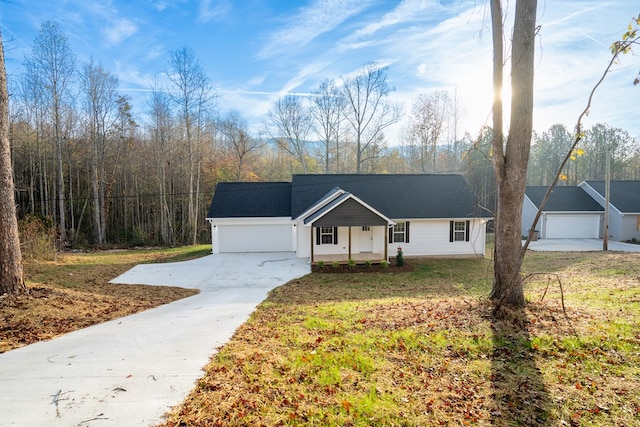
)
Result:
{"points": [[349, 217], [624, 206], [570, 213]]}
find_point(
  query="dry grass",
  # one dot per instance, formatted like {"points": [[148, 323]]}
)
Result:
{"points": [[73, 292], [421, 348]]}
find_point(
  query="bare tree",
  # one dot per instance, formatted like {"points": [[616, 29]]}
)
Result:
{"points": [[53, 63], [194, 97], [327, 110], [99, 88], [368, 110], [11, 276], [234, 130], [510, 159], [427, 127], [289, 124]]}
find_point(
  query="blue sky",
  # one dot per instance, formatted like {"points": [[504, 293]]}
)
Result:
{"points": [[257, 50]]}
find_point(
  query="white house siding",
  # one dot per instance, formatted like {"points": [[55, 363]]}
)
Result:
{"points": [[629, 227], [529, 211], [570, 225], [253, 235], [359, 242], [431, 238]]}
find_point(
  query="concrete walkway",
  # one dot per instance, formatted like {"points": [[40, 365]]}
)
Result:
{"points": [[581, 245], [131, 371]]}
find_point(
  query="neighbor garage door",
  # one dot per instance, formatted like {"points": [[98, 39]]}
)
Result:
{"points": [[255, 238], [573, 227]]}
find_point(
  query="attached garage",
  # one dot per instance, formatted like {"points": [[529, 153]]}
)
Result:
{"points": [[571, 226], [255, 238]]}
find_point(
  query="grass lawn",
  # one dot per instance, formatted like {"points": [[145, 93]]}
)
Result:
{"points": [[420, 348], [73, 291]]}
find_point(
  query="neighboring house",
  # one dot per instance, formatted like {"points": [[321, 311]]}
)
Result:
{"points": [[624, 206], [569, 213], [349, 217]]}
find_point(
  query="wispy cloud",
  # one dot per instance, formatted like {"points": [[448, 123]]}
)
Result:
{"points": [[120, 31], [407, 11], [210, 10], [320, 17]]}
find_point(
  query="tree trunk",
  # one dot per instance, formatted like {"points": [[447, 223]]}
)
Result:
{"points": [[510, 163], [11, 277]]}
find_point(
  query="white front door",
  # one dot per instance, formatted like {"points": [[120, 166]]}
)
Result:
{"points": [[366, 239]]}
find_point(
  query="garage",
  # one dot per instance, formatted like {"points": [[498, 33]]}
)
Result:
{"points": [[572, 226], [254, 238]]}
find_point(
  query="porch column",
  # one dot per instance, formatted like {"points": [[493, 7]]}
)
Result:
{"points": [[311, 240], [386, 244], [348, 259]]}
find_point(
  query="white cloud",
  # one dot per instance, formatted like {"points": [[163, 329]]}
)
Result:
{"points": [[120, 31], [310, 22], [210, 10]]}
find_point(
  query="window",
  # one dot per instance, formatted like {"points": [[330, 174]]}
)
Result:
{"points": [[459, 231], [399, 233], [366, 228], [327, 236]]}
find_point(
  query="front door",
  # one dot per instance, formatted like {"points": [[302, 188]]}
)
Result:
{"points": [[366, 239]]}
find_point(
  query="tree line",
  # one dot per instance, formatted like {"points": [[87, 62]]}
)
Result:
{"points": [[102, 171]]}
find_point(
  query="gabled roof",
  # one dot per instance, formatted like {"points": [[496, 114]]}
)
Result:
{"points": [[408, 196], [346, 209], [402, 196], [563, 199], [251, 199], [624, 195]]}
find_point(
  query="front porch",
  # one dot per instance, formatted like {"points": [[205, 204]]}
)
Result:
{"points": [[359, 258]]}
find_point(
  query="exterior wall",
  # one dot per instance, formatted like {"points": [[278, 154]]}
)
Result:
{"points": [[629, 227], [529, 211], [615, 216], [216, 223], [360, 242], [430, 237]]}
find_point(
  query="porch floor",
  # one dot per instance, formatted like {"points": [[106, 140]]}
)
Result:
{"points": [[359, 258]]}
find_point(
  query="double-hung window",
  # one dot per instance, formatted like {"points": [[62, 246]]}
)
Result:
{"points": [[459, 231], [327, 236], [399, 233]]}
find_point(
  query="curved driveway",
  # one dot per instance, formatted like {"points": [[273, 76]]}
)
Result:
{"points": [[130, 371]]}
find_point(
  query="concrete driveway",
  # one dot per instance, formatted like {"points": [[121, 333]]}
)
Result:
{"points": [[581, 245], [130, 371]]}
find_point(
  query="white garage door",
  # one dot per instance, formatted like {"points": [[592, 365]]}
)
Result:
{"points": [[573, 227], [255, 238]]}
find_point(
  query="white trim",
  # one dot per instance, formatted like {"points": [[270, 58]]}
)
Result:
{"points": [[349, 196], [327, 198]]}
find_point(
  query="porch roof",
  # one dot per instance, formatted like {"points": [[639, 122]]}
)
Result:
{"points": [[346, 210]]}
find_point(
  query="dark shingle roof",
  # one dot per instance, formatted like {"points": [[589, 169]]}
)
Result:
{"points": [[565, 199], [624, 195], [251, 199], [395, 196]]}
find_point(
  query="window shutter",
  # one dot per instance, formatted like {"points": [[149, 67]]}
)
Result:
{"points": [[451, 231], [466, 236], [335, 235], [391, 234], [318, 236], [406, 232]]}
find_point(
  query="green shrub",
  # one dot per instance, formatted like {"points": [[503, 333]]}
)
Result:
{"points": [[400, 257], [320, 264], [384, 264], [352, 263], [368, 263], [335, 264]]}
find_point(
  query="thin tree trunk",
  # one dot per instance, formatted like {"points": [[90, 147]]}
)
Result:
{"points": [[11, 274]]}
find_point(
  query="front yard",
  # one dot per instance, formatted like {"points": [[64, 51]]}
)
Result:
{"points": [[421, 348]]}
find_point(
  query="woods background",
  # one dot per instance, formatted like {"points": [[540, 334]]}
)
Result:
{"points": [[95, 169]]}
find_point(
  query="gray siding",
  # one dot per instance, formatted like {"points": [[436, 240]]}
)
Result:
{"points": [[349, 213]]}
